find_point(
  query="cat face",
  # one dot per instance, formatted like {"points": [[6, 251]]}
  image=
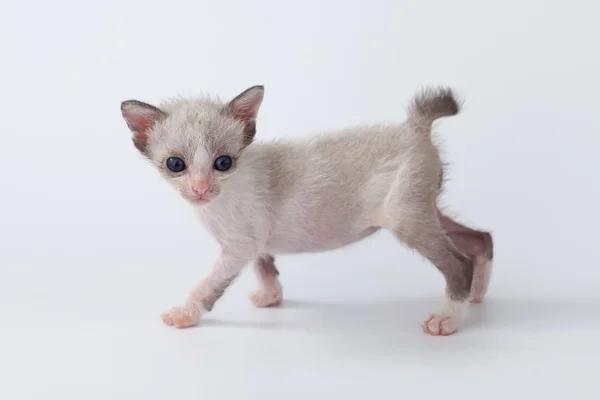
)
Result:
{"points": [[195, 144]]}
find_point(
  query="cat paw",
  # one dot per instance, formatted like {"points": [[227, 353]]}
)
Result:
{"points": [[476, 298], [447, 321], [440, 325], [266, 298], [181, 317]]}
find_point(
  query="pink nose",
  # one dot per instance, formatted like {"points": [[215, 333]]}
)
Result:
{"points": [[200, 187]]}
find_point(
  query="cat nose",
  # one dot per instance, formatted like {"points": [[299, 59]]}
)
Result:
{"points": [[200, 186]]}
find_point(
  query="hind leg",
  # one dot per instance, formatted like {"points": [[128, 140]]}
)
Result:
{"points": [[425, 234], [479, 247], [269, 292]]}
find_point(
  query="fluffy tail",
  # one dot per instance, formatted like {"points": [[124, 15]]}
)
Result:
{"points": [[431, 104]]}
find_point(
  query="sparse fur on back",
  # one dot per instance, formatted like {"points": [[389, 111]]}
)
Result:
{"points": [[311, 194]]}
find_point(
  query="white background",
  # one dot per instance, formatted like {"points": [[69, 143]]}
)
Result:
{"points": [[94, 245]]}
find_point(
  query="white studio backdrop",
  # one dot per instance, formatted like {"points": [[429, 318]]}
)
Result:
{"points": [[91, 237]]}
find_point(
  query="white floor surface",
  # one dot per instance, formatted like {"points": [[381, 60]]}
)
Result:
{"points": [[96, 334]]}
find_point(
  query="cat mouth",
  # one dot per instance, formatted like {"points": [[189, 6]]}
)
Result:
{"points": [[199, 200]]}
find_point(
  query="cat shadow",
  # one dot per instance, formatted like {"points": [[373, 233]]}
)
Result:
{"points": [[386, 327]]}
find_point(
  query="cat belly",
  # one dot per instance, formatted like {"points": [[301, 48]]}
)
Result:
{"points": [[314, 242]]}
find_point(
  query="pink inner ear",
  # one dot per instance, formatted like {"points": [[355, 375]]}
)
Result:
{"points": [[139, 121], [244, 112], [245, 106], [140, 118]]}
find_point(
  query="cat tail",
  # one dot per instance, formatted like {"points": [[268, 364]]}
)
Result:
{"points": [[431, 104]]}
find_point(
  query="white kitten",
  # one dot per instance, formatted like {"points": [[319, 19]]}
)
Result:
{"points": [[306, 195]]}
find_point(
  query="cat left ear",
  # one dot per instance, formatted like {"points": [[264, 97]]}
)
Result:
{"points": [[140, 118], [244, 107]]}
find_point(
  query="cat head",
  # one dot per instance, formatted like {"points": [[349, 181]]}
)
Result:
{"points": [[195, 143]]}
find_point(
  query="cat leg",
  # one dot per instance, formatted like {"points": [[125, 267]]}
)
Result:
{"points": [[424, 233], [269, 292], [206, 292], [479, 247]]}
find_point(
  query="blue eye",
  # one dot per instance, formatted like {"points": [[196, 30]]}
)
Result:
{"points": [[175, 164], [223, 163]]}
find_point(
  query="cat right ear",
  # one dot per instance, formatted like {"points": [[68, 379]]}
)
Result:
{"points": [[140, 118]]}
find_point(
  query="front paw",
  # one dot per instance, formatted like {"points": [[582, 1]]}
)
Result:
{"points": [[181, 317], [266, 298]]}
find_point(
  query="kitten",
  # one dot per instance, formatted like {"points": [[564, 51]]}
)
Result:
{"points": [[311, 194]]}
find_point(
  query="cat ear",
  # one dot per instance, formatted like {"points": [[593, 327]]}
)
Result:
{"points": [[244, 107], [140, 118]]}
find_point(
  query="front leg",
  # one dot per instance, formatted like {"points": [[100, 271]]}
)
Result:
{"points": [[269, 291], [206, 292]]}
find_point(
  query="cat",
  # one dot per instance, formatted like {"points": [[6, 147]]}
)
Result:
{"points": [[309, 194]]}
